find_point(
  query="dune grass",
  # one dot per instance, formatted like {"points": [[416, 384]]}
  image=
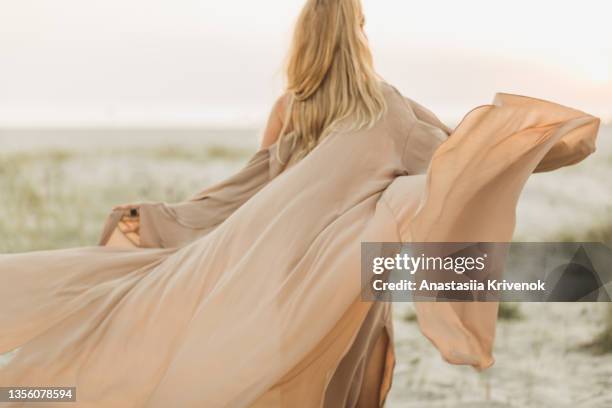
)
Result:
{"points": [[60, 198], [602, 342], [409, 316], [205, 153], [509, 311]]}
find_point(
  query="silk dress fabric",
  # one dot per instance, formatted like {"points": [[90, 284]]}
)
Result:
{"points": [[248, 295]]}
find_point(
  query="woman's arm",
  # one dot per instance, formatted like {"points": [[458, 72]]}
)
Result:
{"points": [[275, 121], [125, 224]]}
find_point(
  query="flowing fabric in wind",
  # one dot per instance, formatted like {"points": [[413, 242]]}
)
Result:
{"points": [[249, 294]]}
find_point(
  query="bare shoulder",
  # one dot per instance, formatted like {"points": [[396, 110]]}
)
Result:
{"points": [[282, 104]]}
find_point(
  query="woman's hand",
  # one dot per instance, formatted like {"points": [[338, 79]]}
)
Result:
{"points": [[129, 224]]}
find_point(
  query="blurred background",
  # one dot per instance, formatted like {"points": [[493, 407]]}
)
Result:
{"points": [[103, 103]]}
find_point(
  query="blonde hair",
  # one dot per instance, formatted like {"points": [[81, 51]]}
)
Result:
{"points": [[330, 74]]}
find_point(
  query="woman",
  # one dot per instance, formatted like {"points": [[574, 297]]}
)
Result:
{"points": [[249, 294]]}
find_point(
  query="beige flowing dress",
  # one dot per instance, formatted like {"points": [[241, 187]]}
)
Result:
{"points": [[249, 294]]}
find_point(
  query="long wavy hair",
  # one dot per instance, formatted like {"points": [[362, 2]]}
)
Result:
{"points": [[330, 74]]}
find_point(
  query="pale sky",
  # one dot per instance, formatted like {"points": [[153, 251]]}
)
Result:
{"points": [[194, 63]]}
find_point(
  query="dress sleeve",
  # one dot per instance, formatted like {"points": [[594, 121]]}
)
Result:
{"points": [[424, 115], [427, 134], [165, 225]]}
